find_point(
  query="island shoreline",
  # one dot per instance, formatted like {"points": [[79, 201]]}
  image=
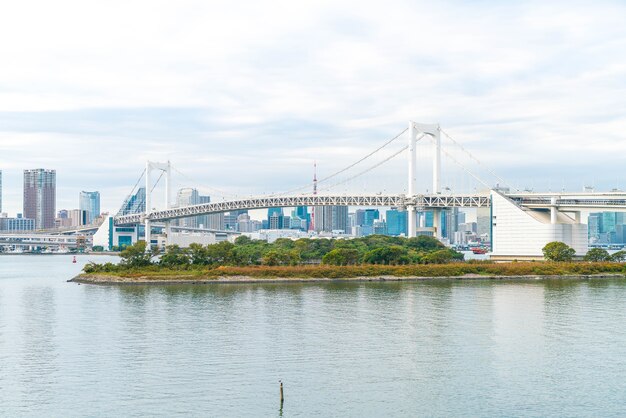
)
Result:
{"points": [[104, 279]]}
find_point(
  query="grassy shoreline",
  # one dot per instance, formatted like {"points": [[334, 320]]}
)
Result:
{"points": [[322, 273]]}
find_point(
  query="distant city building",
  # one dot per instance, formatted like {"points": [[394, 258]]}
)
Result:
{"points": [[203, 220], [230, 222], [606, 228], [89, 202], [187, 197], [302, 212], [16, 224], [78, 217], [275, 218], [397, 222], [331, 218], [40, 197], [215, 221], [380, 228]]}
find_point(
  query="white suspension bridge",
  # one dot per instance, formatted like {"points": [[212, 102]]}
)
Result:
{"points": [[522, 222]]}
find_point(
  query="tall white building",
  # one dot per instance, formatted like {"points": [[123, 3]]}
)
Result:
{"points": [[520, 233]]}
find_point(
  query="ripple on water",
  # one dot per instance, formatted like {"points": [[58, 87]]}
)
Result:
{"points": [[474, 348]]}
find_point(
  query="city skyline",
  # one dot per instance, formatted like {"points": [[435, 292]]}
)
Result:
{"points": [[524, 86]]}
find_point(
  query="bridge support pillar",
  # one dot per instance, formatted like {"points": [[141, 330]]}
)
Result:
{"points": [[148, 235], [553, 211], [412, 218], [437, 223]]}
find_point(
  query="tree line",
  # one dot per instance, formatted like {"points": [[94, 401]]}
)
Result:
{"points": [[373, 249]]}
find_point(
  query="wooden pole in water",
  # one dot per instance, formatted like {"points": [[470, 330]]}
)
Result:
{"points": [[282, 398]]}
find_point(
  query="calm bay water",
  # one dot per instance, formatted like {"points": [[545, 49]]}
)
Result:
{"points": [[534, 348]]}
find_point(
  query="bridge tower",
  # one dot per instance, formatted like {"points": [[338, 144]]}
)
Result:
{"points": [[434, 131], [166, 168]]}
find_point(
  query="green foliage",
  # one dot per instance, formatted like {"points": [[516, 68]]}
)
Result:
{"points": [[558, 251], [136, 256], [174, 256], [341, 257], [373, 249], [442, 256], [393, 254], [597, 255], [97, 248], [619, 256]]}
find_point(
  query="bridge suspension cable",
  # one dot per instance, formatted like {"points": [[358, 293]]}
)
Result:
{"points": [[197, 183], [143, 173], [343, 170], [465, 169], [500, 179], [368, 169]]}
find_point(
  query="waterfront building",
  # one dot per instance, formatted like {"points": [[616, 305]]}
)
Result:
{"points": [[397, 222], [40, 197], [16, 224], [89, 202], [538, 228]]}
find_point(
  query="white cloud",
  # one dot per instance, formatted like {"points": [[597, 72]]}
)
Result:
{"points": [[245, 95]]}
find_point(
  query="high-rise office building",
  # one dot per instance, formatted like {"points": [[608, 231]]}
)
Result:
{"points": [[302, 212], [40, 197], [90, 203], [332, 218], [188, 197], [397, 222], [275, 218]]}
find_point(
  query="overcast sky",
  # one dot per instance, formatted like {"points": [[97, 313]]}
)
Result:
{"points": [[243, 96]]}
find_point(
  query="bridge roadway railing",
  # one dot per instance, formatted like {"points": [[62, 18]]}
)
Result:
{"points": [[573, 203], [419, 201]]}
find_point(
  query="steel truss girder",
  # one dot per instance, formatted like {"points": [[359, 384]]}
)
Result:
{"points": [[420, 201]]}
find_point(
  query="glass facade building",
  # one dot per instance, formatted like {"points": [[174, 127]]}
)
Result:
{"points": [[40, 197], [90, 203]]}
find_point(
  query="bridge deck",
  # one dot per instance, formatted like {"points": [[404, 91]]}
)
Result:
{"points": [[420, 201]]}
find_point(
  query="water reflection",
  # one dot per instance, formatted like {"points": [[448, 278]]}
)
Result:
{"points": [[37, 347]]}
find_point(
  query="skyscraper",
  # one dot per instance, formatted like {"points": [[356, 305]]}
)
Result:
{"points": [[187, 197], [331, 218], [40, 196], [90, 203], [397, 222]]}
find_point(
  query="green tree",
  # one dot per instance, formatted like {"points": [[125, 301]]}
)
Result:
{"points": [[558, 251], [619, 256], [597, 254], [393, 254], [341, 257], [441, 256], [136, 256], [198, 254], [174, 257]]}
